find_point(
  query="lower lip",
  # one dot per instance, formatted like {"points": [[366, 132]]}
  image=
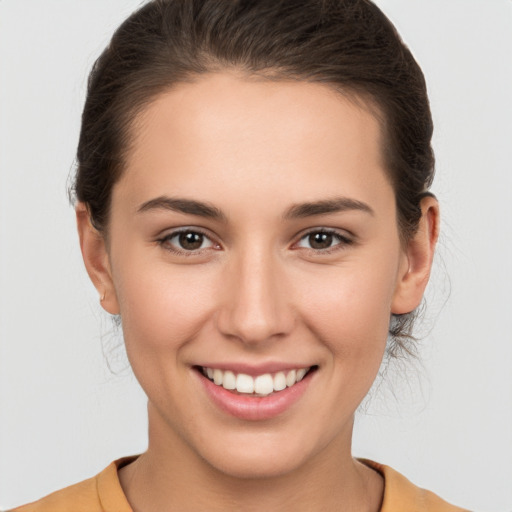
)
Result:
{"points": [[255, 408]]}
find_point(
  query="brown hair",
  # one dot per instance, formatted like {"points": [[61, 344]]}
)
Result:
{"points": [[348, 44]]}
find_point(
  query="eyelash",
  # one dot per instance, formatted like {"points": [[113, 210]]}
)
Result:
{"points": [[342, 241], [166, 244]]}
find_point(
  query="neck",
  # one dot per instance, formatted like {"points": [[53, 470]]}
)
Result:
{"points": [[171, 476]]}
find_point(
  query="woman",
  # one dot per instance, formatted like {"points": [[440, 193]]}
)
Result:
{"points": [[252, 201]]}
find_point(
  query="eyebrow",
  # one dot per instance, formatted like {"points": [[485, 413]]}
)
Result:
{"points": [[336, 205], [187, 206], [202, 209]]}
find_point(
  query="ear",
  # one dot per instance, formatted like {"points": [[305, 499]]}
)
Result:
{"points": [[418, 256], [96, 259]]}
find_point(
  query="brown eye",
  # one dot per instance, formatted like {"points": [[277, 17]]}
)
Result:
{"points": [[186, 241], [323, 239], [320, 240], [190, 241]]}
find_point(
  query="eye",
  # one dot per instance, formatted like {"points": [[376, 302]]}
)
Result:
{"points": [[322, 240], [186, 241]]}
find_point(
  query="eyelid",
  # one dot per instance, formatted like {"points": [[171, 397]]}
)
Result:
{"points": [[344, 239], [167, 235]]}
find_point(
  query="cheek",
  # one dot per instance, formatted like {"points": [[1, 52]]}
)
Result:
{"points": [[161, 307], [349, 309]]}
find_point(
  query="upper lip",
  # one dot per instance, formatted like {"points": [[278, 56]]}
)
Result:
{"points": [[255, 369]]}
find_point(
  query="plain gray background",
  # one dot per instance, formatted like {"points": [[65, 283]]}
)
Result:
{"points": [[446, 423]]}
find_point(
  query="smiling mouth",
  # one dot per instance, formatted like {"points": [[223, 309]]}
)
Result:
{"points": [[259, 385]]}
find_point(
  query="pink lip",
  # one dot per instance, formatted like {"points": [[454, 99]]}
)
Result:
{"points": [[253, 408]]}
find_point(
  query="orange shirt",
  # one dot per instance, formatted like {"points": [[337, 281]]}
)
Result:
{"points": [[103, 493]]}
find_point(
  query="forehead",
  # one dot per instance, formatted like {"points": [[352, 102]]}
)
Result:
{"points": [[215, 101], [226, 128]]}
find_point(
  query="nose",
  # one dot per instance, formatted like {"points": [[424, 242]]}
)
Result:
{"points": [[256, 306]]}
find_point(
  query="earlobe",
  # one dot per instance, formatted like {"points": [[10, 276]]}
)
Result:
{"points": [[419, 254], [96, 259]]}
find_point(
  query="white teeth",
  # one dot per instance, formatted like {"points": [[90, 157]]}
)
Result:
{"points": [[279, 381], [217, 377], [291, 378], [264, 384], [301, 373], [244, 383], [229, 380], [261, 385]]}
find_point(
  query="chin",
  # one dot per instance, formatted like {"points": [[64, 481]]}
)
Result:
{"points": [[248, 466], [268, 456]]}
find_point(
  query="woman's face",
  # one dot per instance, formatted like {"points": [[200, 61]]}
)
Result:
{"points": [[254, 233]]}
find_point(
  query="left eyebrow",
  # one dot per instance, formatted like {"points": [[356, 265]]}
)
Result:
{"points": [[336, 205]]}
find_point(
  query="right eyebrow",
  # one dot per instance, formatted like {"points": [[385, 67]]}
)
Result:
{"points": [[181, 205]]}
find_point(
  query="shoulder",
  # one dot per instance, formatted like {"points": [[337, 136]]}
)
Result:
{"points": [[82, 496], [102, 493], [400, 495]]}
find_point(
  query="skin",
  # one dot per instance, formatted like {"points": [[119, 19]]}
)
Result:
{"points": [[256, 291]]}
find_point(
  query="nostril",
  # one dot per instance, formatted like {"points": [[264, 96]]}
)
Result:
{"points": [[255, 309]]}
